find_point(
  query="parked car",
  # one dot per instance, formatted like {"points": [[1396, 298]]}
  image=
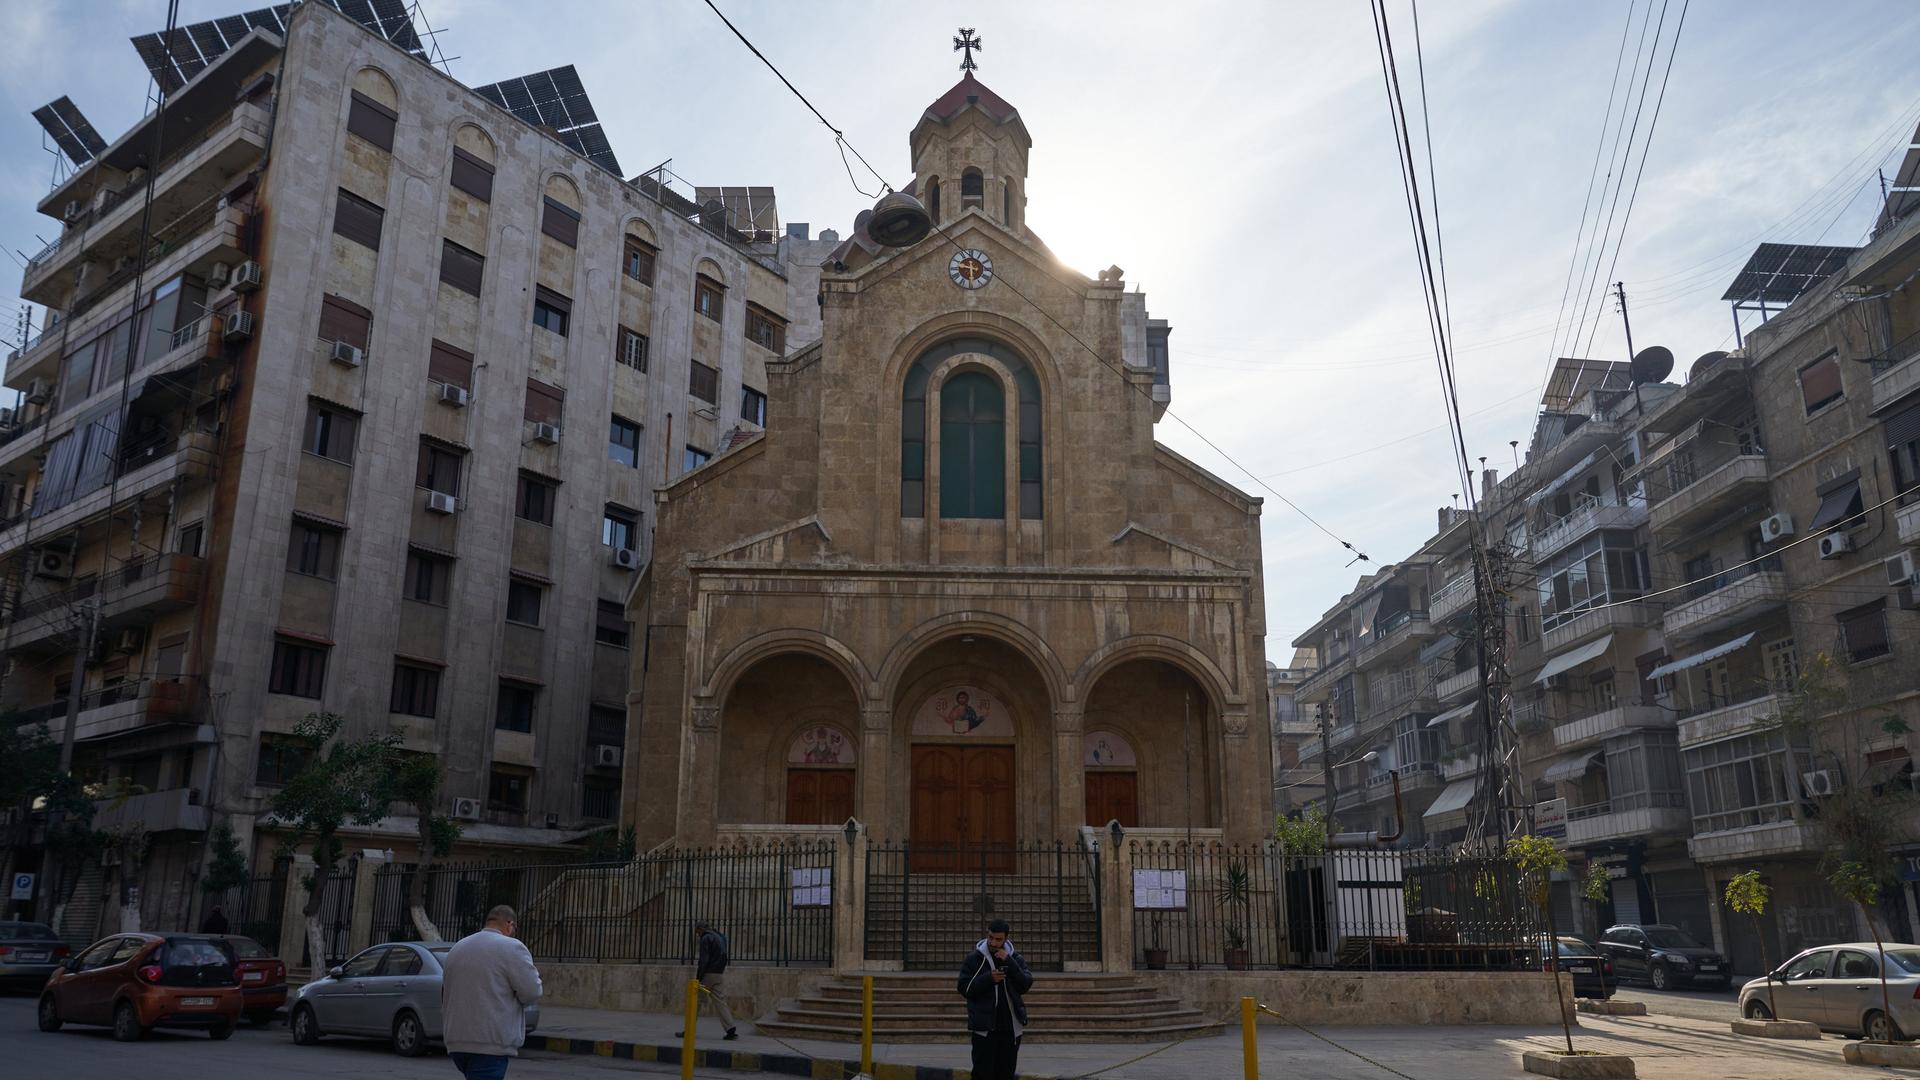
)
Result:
{"points": [[137, 982], [388, 992], [1664, 956], [1838, 988], [263, 978], [29, 953], [1592, 972]]}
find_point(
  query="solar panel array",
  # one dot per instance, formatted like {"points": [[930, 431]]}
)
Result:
{"points": [[1903, 190], [61, 118], [177, 58], [555, 99], [1779, 273], [749, 209]]}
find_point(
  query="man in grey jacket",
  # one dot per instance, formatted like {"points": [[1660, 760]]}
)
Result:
{"points": [[490, 980]]}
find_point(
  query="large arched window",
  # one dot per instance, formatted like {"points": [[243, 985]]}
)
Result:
{"points": [[972, 431], [972, 184]]}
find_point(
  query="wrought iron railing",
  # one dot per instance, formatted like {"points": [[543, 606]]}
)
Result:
{"points": [[1768, 565], [928, 904]]}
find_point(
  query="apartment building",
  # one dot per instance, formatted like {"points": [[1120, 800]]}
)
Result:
{"points": [[354, 390], [1294, 729]]}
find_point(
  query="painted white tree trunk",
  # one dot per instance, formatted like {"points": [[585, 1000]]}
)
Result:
{"points": [[129, 918], [317, 947], [422, 925]]}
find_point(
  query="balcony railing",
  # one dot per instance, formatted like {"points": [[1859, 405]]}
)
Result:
{"points": [[1728, 598], [1717, 719], [1589, 513], [1698, 493], [1638, 815], [1602, 723], [162, 697], [1907, 523], [1457, 685], [1455, 596], [1399, 626]]}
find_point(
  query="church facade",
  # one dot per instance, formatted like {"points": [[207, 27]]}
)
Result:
{"points": [[955, 590]]}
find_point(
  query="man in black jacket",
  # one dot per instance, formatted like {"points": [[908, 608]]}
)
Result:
{"points": [[709, 964], [993, 978]]}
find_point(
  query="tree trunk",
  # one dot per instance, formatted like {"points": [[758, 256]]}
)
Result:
{"points": [[316, 947], [1552, 965], [1766, 957], [1886, 1002], [417, 885]]}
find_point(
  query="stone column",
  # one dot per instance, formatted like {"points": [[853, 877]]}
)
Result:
{"points": [[293, 924], [876, 765], [1241, 778], [850, 904], [1116, 903], [360, 928], [1069, 781], [700, 775]]}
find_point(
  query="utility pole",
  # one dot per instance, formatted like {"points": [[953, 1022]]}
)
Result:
{"points": [[89, 623], [1620, 290]]}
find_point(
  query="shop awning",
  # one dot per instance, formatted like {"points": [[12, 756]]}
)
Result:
{"points": [[1453, 714], [1573, 658], [1571, 767], [1456, 797], [1699, 658]]}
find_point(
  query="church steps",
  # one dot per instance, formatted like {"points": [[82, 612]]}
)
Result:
{"points": [[1080, 1007]]}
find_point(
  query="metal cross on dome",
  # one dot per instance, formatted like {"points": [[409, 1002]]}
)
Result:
{"points": [[967, 43]]}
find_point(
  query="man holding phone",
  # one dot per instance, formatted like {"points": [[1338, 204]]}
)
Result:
{"points": [[992, 979]]}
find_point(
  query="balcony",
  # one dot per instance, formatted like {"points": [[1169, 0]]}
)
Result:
{"points": [[122, 707], [1461, 767], [173, 810], [1591, 624], [1457, 686], [1907, 522], [1600, 822], [1589, 515], [1896, 373], [1418, 776], [133, 593], [108, 231], [1727, 600], [1453, 598], [143, 467], [1740, 479], [1723, 384], [1756, 842], [1729, 720], [1316, 686], [1532, 718], [1392, 636], [1408, 691], [1588, 730]]}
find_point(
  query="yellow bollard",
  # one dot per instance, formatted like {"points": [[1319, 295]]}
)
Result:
{"points": [[866, 1024], [1249, 1044], [686, 1041]]}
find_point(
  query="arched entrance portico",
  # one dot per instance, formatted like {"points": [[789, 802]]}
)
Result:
{"points": [[1161, 759], [788, 725]]}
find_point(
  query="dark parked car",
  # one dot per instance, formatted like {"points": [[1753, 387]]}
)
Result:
{"points": [[1592, 972], [263, 977], [29, 953], [1663, 956]]}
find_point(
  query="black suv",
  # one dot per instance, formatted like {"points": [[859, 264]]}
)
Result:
{"points": [[1664, 956]]}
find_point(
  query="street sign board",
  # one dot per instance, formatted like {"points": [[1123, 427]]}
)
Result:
{"points": [[22, 887], [1550, 819]]}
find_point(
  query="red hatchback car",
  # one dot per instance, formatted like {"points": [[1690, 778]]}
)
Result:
{"points": [[137, 982], [263, 978]]}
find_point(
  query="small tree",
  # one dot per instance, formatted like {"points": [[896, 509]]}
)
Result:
{"points": [[341, 781], [1538, 859], [1748, 896], [1596, 888], [227, 864], [416, 779], [1858, 883], [1236, 897], [1305, 834]]}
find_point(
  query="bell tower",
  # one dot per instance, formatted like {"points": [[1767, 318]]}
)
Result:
{"points": [[970, 151]]}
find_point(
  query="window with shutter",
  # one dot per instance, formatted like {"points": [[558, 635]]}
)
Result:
{"points": [[416, 690], [461, 267], [972, 447], [314, 550], [623, 443], [427, 576], [765, 329], [1863, 632], [1820, 382], [753, 406], [560, 223], [551, 311], [357, 219], [620, 528], [638, 260], [523, 602], [330, 432], [343, 320], [438, 468], [1903, 446], [371, 121], [708, 295], [450, 365], [299, 669], [612, 628], [544, 403], [631, 350], [537, 495], [703, 382], [471, 175]]}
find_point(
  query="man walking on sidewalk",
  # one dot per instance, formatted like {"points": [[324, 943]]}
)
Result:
{"points": [[709, 964], [993, 978], [489, 981]]}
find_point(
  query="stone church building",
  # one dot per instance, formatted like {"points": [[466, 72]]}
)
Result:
{"points": [[956, 590]]}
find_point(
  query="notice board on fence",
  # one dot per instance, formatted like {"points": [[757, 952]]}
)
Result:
{"points": [[1160, 890], [812, 887]]}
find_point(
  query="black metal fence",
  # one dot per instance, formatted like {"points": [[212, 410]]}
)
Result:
{"points": [[256, 908], [1221, 906], [336, 913], [773, 902], [927, 905]]}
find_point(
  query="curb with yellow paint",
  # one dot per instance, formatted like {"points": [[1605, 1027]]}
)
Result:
{"points": [[748, 1061]]}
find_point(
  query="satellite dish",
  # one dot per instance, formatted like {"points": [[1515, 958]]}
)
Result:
{"points": [[899, 221], [1652, 364], [1706, 361]]}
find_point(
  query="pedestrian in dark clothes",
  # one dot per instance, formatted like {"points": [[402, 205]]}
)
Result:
{"points": [[993, 978], [710, 963], [215, 922]]}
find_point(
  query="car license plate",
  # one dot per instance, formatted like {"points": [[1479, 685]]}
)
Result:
{"points": [[196, 1002], [1580, 969], [1709, 967], [253, 976], [33, 957]]}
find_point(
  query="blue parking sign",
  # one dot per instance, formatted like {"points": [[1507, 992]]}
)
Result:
{"points": [[22, 887]]}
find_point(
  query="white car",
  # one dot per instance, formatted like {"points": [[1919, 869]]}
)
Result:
{"points": [[385, 992], [1838, 988]]}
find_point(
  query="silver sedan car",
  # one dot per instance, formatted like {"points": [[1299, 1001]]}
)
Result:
{"points": [[1838, 988], [387, 992]]}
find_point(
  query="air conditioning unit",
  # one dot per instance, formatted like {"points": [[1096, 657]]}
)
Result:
{"points": [[466, 809], [346, 355], [624, 559], [38, 392], [53, 563], [125, 263], [217, 275], [1818, 783], [1905, 599], [237, 325], [73, 211], [1776, 527], [606, 756], [1901, 569], [1835, 544], [135, 177], [130, 640], [246, 277], [455, 396], [546, 433], [7, 418], [439, 502]]}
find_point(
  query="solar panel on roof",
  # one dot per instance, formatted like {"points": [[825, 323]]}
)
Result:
{"points": [[199, 44], [1908, 174], [556, 99], [1780, 273], [70, 130]]}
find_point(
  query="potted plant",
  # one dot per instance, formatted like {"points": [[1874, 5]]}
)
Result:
{"points": [[1156, 952], [1235, 897]]}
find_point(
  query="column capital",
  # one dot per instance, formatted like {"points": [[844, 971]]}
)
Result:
{"points": [[1068, 719], [705, 717], [876, 718], [1234, 724]]}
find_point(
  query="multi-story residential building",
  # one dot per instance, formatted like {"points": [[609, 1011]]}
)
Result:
{"points": [[353, 395], [1294, 729]]}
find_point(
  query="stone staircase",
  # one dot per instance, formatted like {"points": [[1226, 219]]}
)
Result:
{"points": [[928, 1009], [80, 919], [1054, 920]]}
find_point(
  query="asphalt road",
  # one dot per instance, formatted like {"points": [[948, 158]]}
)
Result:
{"points": [[1692, 1004], [75, 1052]]}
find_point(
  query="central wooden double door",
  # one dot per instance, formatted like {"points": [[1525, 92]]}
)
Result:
{"points": [[963, 809]]}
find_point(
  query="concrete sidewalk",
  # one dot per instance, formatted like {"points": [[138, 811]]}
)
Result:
{"points": [[1664, 1047]]}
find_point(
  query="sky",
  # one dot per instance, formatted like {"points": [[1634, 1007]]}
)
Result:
{"points": [[1237, 161]]}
